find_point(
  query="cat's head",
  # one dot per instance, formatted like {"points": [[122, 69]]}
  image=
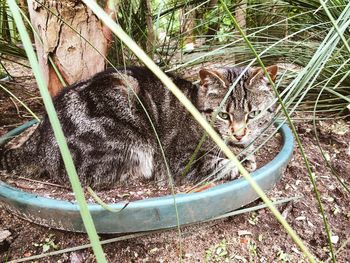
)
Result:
{"points": [[247, 109]]}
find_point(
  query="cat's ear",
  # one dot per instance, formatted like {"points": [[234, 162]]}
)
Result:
{"points": [[207, 75], [258, 75]]}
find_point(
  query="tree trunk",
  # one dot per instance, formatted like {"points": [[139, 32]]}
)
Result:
{"points": [[241, 13], [214, 26], [187, 24], [150, 32], [70, 52], [24, 7], [241, 17]]}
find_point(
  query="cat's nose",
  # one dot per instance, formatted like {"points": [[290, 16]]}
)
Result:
{"points": [[239, 137], [238, 129], [239, 134]]}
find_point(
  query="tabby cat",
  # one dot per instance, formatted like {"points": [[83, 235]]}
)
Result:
{"points": [[111, 139]]}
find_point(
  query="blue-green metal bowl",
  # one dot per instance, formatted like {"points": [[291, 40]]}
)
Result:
{"points": [[148, 214]]}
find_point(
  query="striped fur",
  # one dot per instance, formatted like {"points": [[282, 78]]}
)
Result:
{"points": [[110, 136]]}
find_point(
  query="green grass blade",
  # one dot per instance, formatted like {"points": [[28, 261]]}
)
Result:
{"points": [[142, 234], [116, 29], [341, 35], [103, 204], [21, 102], [292, 233], [67, 158]]}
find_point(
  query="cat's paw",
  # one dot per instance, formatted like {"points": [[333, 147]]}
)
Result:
{"points": [[229, 171], [234, 173], [250, 165]]}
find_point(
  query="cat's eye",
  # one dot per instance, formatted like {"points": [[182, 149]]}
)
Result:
{"points": [[253, 114], [224, 116]]}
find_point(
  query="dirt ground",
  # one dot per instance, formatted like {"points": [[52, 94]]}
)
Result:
{"points": [[250, 237]]}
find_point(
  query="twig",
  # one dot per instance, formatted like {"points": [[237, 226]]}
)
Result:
{"points": [[12, 125], [287, 210], [17, 109], [45, 183], [3, 66], [346, 242], [67, 250], [33, 98], [201, 188], [258, 207], [107, 241], [24, 187], [103, 204]]}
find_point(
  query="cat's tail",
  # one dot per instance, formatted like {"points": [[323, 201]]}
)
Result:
{"points": [[18, 153], [10, 159]]}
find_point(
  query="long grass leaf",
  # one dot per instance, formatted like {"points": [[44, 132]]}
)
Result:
{"points": [[67, 158], [21, 102], [294, 235], [137, 235], [116, 29]]}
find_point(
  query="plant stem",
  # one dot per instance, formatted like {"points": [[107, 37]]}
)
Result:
{"points": [[318, 197], [66, 156]]}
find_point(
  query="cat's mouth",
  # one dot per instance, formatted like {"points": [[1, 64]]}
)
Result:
{"points": [[233, 142]]}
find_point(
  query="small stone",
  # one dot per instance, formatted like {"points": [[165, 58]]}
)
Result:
{"points": [[244, 232], [76, 257], [334, 239], [154, 250], [295, 250], [4, 234], [327, 156], [310, 224], [330, 199]]}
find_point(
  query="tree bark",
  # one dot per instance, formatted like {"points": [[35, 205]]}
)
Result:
{"points": [[213, 27], [150, 32], [70, 52], [24, 7], [187, 24], [241, 14]]}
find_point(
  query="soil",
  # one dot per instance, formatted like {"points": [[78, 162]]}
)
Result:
{"points": [[250, 237]]}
